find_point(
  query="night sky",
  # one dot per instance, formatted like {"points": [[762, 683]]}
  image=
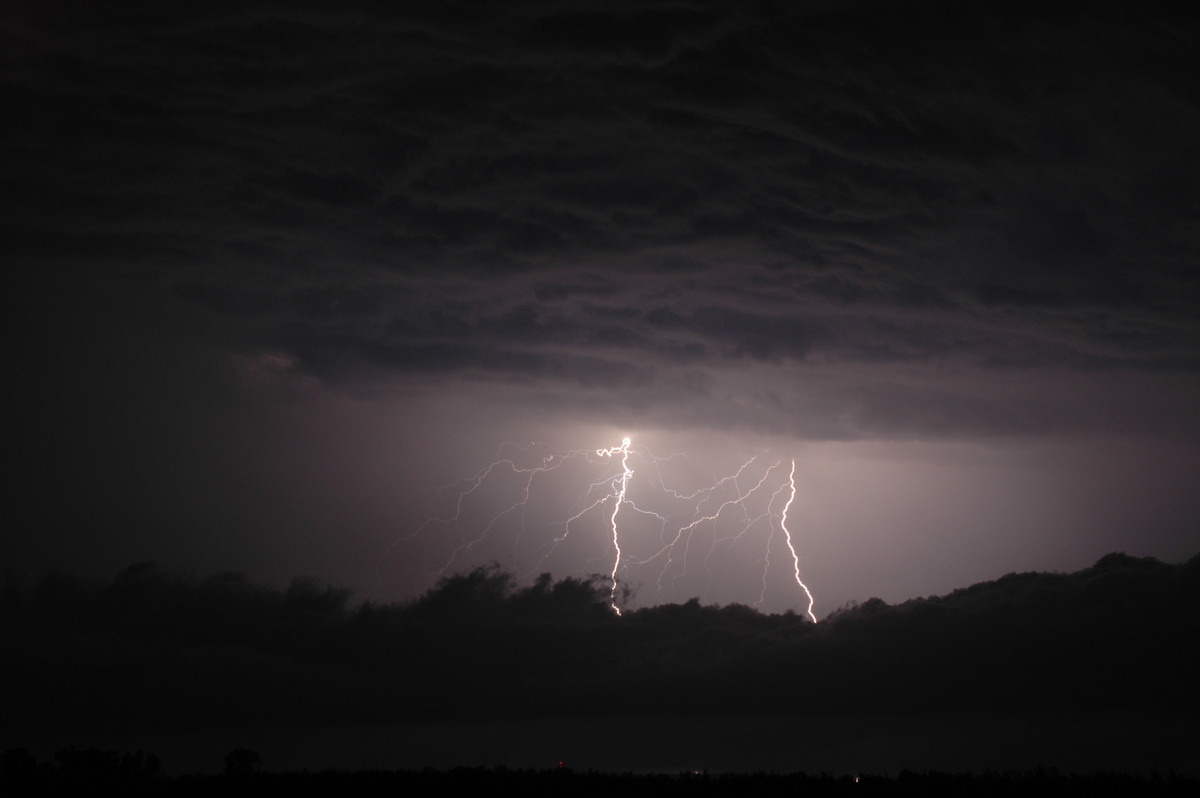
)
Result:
{"points": [[278, 274]]}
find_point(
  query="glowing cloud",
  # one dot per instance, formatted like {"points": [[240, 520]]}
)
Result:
{"points": [[729, 509]]}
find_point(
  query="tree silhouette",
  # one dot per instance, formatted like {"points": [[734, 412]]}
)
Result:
{"points": [[242, 762]]}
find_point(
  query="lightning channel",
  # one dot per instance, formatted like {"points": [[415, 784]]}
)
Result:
{"points": [[724, 513], [788, 537], [623, 481]]}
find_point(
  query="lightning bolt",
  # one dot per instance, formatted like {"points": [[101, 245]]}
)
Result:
{"points": [[623, 480], [550, 462], [788, 537], [726, 511], [685, 532], [529, 473]]}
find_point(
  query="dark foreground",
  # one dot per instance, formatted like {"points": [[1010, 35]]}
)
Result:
{"points": [[566, 782], [1012, 742], [1087, 672]]}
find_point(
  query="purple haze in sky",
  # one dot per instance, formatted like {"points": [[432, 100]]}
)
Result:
{"points": [[281, 273]]}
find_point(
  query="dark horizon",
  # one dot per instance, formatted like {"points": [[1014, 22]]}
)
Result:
{"points": [[152, 655]]}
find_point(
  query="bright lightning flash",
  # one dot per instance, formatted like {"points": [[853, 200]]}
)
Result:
{"points": [[623, 481], [788, 537], [724, 508]]}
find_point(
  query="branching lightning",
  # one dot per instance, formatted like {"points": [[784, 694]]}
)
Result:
{"points": [[619, 493], [663, 527]]}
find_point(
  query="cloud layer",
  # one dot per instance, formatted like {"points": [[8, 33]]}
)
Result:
{"points": [[829, 219]]}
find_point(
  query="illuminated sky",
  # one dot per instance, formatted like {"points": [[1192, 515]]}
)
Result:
{"points": [[278, 271]]}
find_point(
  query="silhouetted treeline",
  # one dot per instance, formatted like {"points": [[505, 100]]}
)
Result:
{"points": [[137, 774], [148, 649], [17, 764]]}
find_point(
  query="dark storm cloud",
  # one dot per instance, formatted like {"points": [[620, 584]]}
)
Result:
{"points": [[585, 200]]}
